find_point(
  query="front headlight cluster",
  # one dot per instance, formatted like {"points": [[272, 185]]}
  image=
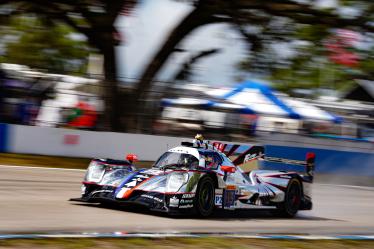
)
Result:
{"points": [[176, 181], [95, 172], [83, 190]]}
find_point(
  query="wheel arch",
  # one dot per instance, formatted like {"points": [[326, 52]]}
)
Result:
{"points": [[201, 208], [298, 177], [214, 178]]}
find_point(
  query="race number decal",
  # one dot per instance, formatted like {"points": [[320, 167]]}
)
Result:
{"points": [[218, 200]]}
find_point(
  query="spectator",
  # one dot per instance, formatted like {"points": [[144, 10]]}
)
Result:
{"points": [[84, 116], [28, 111]]}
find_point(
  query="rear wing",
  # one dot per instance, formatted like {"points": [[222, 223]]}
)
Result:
{"points": [[248, 157], [308, 165]]}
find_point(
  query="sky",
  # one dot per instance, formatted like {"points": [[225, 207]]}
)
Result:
{"points": [[147, 28]]}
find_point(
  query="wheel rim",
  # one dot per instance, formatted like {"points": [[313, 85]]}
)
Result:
{"points": [[294, 197], [205, 198]]}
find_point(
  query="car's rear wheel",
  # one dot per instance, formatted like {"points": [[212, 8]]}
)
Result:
{"points": [[204, 198], [292, 200]]}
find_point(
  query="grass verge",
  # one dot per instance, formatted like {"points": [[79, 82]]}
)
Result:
{"points": [[188, 243]]}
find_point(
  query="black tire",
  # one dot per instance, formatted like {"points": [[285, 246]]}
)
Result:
{"points": [[292, 200], [204, 198]]}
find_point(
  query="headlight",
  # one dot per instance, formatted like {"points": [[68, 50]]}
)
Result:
{"points": [[95, 172], [176, 181], [83, 189]]}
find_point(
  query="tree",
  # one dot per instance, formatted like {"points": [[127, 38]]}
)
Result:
{"points": [[95, 19], [186, 71], [310, 62], [257, 20], [49, 45]]}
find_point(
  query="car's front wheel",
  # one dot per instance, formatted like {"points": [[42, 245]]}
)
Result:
{"points": [[204, 198]]}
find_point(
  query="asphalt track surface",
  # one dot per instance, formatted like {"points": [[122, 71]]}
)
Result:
{"points": [[36, 200]]}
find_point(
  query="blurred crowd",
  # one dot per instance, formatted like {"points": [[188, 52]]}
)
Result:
{"points": [[27, 101], [38, 99], [19, 102]]}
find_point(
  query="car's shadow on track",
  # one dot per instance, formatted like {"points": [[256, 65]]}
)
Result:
{"points": [[217, 215]]}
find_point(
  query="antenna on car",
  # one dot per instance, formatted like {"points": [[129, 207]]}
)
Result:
{"points": [[187, 144]]}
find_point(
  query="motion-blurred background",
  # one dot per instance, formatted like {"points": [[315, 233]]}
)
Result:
{"points": [[232, 70]]}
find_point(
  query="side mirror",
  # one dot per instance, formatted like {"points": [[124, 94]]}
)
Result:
{"points": [[132, 158], [228, 169]]}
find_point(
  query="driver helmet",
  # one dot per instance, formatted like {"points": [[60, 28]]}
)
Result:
{"points": [[199, 140], [199, 137]]}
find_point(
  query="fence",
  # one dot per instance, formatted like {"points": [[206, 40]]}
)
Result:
{"points": [[355, 158]]}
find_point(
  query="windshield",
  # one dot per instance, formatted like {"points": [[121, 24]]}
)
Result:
{"points": [[176, 160]]}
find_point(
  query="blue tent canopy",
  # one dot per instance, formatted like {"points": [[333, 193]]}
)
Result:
{"points": [[253, 97], [264, 90]]}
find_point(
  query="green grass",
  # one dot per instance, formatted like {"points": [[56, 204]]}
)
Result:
{"points": [[52, 161], [188, 243]]}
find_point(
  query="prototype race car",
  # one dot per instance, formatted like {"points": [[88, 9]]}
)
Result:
{"points": [[200, 177]]}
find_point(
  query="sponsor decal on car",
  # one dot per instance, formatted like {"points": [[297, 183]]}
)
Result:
{"points": [[174, 202], [135, 181], [186, 206], [184, 201], [218, 191], [188, 195], [249, 157], [151, 197]]}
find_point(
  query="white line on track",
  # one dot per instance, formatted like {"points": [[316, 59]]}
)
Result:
{"points": [[40, 168], [185, 235]]}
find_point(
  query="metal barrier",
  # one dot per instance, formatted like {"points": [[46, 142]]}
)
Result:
{"points": [[336, 157]]}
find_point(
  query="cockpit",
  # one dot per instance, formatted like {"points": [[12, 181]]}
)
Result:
{"points": [[176, 160]]}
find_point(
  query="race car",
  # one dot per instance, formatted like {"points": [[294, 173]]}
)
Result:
{"points": [[200, 177]]}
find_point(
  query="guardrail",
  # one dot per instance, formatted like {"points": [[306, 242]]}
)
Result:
{"points": [[80, 143]]}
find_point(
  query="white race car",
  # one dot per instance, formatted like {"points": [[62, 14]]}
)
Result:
{"points": [[200, 177]]}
